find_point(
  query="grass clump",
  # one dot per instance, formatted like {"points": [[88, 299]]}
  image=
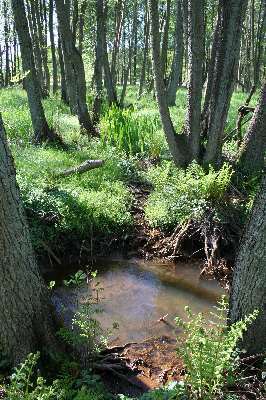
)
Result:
{"points": [[131, 132], [183, 194]]}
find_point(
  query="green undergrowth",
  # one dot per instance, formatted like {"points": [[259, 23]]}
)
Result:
{"points": [[179, 195], [98, 202]]}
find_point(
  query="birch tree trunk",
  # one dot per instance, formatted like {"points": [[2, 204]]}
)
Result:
{"points": [[248, 288], [26, 322]]}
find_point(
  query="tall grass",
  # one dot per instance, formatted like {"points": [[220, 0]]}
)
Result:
{"points": [[130, 132]]}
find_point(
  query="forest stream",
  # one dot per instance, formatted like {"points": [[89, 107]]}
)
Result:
{"points": [[143, 298]]}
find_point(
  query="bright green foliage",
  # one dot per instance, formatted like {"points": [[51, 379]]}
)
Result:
{"points": [[131, 132], [179, 195], [26, 385], [209, 350]]}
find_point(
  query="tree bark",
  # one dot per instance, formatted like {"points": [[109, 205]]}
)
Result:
{"points": [[248, 288], [252, 151], [165, 37], [26, 324], [177, 143], [196, 58]]}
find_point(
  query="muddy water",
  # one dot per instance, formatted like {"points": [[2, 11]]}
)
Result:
{"points": [[137, 294]]}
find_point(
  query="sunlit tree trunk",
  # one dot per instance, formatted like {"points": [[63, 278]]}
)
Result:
{"points": [[52, 40]]}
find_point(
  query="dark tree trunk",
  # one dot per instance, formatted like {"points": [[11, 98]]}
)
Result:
{"points": [[83, 8], [252, 151], [248, 288], [25, 313], [39, 123]]}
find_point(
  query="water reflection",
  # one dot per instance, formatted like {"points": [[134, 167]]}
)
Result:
{"points": [[137, 294]]}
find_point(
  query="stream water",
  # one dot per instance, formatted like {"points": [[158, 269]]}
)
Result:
{"points": [[137, 294]]}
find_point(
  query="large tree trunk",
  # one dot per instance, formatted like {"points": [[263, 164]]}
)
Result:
{"points": [[177, 143], [232, 17], [252, 151], [196, 57], [248, 289], [177, 63], [39, 123], [25, 315]]}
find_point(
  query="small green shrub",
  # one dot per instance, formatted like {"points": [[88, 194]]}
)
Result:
{"points": [[179, 195], [209, 350], [25, 384]]}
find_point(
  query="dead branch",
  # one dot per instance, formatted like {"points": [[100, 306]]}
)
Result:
{"points": [[80, 169]]}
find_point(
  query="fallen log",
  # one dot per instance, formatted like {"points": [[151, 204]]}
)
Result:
{"points": [[80, 169]]}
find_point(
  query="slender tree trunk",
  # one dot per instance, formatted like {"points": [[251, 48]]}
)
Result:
{"points": [[98, 66], [110, 88], [196, 58], [177, 143], [74, 68], [146, 49], [165, 37], [53, 50], [64, 94], [83, 8], [177, 63], [41, 130], [6, 36], [232, 17], [252, 151], [248, 288], [25, 313]]}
